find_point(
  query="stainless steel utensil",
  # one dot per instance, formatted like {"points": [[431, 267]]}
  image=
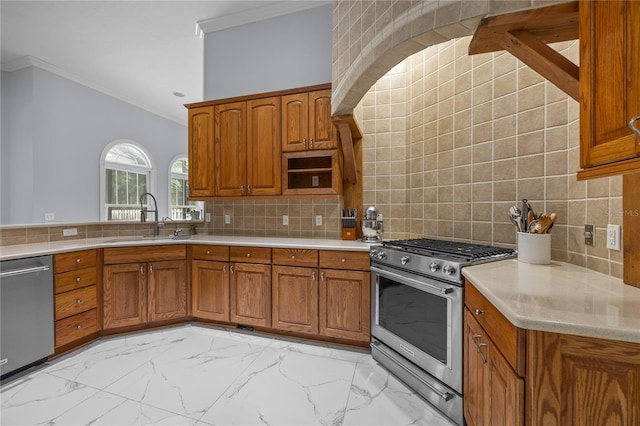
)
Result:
{"points": [[515, 216]]}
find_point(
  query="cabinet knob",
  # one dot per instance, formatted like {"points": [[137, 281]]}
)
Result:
{"points": [[311, 143], [78, 301], [78, 279], [304, 142], [208, 251], [293, 257], [78, 260], [248, 254], [79, 326], [479, 312], [632, 125], [344, 260]]}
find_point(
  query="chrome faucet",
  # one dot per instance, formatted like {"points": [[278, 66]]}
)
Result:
{"points": [[144, 211], [178, 231]]}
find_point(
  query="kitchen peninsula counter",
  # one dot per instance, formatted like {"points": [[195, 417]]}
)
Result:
{"points": [[560, 298], [55, 247]]}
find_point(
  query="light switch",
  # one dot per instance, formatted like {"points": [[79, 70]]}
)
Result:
{"points": [[318, 220], [285, 219]]}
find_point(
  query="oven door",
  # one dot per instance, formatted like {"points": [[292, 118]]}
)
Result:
{"points": [[421, 319]]}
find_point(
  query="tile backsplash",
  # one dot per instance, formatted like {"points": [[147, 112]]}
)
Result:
{"points": [[451, 141]]}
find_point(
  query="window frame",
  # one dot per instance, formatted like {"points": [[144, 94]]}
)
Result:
{"points": [[104, 164], [198, 204]]}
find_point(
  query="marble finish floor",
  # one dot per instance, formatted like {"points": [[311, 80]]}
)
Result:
{"points": [[199, 375]]}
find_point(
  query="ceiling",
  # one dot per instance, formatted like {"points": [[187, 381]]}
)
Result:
{"points": [[138, 51]]}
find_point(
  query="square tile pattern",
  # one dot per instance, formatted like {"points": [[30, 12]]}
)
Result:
{"points": [[199, 375]]}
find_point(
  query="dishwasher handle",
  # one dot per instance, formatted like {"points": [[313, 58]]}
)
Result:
{"points": [[24, 271]]}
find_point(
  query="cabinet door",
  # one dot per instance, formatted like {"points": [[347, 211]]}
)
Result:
{"points": [[201, 152], [210, 290], [474, 372], [493, 392], [251, 294], [263, 147], [344, 305], [295, 125], [322, 132], [295, 299], [230, 143], [124, 293], [609, 80], [167, 290], [576, 380]]}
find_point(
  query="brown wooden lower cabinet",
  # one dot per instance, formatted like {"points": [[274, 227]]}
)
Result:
{"points": [[582, 381], [295, 299], [210, 290], [250, 294], [345, 304], [493, 392], [135, 293]]}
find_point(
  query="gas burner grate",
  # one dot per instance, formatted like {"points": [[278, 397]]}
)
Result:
{"points": [[466, 251]]}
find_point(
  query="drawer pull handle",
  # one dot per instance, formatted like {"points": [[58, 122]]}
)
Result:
{"points": [[79, 326], [479, 312], [78, 279], [344, 260], [78, 260], [476, 336], [313, 275], [322, 276], [224, 269], [480, 346], [632, 125], [232, 269]]}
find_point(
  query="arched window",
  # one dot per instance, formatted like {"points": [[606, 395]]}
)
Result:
{"points": [[179, 207], [126, 175]]}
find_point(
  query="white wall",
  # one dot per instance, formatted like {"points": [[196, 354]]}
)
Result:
{"points": [[275, 54], [53, 142]]}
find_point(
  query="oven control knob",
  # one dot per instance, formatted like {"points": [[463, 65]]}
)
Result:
{"points": [[381, 255], [373, 252], [405, 259], [449, 270], [434, 267]]}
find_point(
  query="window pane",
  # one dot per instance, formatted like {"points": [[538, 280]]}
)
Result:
{"points": [[110, 186], [121, 187], [127, 154], [180, 166], [132, 182], [142, 184]]}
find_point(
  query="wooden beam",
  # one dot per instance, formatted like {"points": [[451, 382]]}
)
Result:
{"points": [[347, 152], [544, 60], [631, 228], [549, 24]]}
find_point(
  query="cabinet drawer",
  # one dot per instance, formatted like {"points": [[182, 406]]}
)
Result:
{"points": [[75, 327], [75, 279], [74, 260], [295, 257], [144, 254], [251, 254], [205, 252], [509, 339], [75, 301], [337, 259]]}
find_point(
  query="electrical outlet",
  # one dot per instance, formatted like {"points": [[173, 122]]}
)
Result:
{"points": [[227, 219], [49, 217], [207, 217], [69, 232], [285, 219], [315, 181], [318, 220], [613, 237], [590, 235]]}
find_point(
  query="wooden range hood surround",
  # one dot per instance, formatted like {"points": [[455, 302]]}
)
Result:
{"points": [[525, 35]]}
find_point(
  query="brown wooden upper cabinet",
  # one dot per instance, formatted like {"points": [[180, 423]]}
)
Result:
{"points": [[609, 87], [247, 148], [201, 152], [306, 121]]}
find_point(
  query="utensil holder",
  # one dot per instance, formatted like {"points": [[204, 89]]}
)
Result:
{"points": [[534, 248]]}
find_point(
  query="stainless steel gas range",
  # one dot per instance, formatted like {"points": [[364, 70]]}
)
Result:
{"points": [[417, 310]]}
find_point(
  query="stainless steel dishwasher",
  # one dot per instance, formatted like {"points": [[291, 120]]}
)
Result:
{"points": [[26, 313]]}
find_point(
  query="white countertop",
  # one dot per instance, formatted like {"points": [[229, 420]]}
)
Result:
{"points": [[39, 249], [560, 298]]}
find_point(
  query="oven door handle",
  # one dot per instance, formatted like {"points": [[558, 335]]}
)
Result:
{"points": [[397, 277]]}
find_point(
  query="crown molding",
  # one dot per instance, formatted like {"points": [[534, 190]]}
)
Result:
{"points": [[32, 61], [257, 14]]}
